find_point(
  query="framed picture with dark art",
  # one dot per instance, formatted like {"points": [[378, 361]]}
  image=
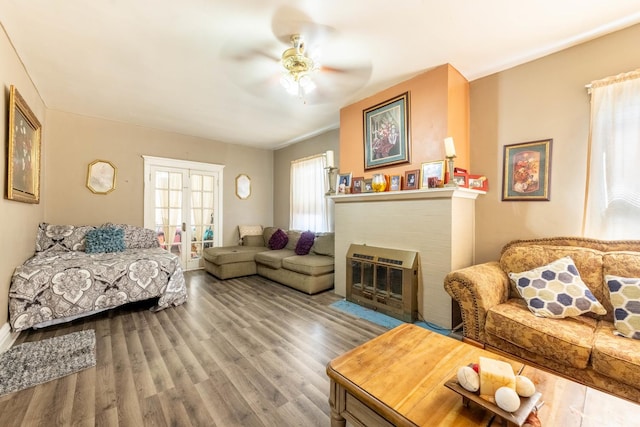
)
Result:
{"points": [[411, 179], [358, 184], [23, 161], [386, 133], [526, 171]]}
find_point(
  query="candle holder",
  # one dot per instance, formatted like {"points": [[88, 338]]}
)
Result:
{"points": [[332, 173], [451, 182]]}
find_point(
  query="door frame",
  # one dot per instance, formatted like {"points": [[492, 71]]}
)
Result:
{"points": [[149, 196]]}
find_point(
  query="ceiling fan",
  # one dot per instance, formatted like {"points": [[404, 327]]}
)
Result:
{"points": [[269, 70], [298, 79]]}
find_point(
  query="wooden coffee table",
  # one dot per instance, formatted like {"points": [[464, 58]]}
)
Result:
{"points": [[398, 379]]}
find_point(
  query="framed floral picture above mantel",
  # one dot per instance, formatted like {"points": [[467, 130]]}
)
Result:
{"points": [[527, 171], [386, 133]]}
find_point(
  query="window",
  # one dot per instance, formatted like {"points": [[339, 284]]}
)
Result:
{"points": [[612, 204], [308, 204]]}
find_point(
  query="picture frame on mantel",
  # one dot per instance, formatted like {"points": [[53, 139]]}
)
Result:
{"points": [[526, 171], [386, 133], [411, 179], [23, 161]]}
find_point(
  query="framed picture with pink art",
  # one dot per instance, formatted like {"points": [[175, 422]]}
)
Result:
{"points": [[386, 133], [526, 174]]}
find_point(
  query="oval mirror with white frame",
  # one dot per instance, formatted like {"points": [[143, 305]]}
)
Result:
{"points": [[243, 186], [101, 177]]}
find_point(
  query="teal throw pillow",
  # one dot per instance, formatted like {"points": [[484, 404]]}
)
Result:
{"points": [[106, 239]]}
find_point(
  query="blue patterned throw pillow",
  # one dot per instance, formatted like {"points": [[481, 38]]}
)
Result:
{"points": [[556, 290], [105, 239], [625, 298]]}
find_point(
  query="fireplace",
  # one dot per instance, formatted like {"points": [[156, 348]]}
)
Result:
{"points": [[383, 279]]}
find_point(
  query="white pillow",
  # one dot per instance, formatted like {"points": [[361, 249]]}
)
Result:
{"points": [[249, 230]]}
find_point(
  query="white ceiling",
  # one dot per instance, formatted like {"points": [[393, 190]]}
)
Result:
{"points": [[209, 68]]}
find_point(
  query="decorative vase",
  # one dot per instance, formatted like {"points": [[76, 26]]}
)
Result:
{"points": [[378, 183]]}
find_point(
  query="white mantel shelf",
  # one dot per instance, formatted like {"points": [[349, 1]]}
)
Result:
{"points": [[438, 223], [434, 193]]}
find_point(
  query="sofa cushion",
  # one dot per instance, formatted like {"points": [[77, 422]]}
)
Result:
{"points": [[293, 238], [230, 254], [556, 290], [267, 233], [589, 262], [273, 258], [305, 242], [311, 265], [625, 297], [278, 240], [566, 341], [324, 244], [614, 356], [253, 241]]}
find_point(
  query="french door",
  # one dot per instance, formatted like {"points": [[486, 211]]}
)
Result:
{"points": [[183, 203]]}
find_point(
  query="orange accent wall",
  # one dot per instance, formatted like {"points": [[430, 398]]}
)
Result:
{"points": [[438, 107]]}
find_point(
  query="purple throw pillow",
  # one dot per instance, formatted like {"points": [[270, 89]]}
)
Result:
{"points": [[305, 242], [278, 240]]}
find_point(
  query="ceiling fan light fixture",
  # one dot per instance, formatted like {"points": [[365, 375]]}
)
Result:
{"points": [[298, 68]]}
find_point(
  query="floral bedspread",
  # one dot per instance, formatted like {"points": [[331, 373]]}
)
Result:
{"points": [[56, 285]]}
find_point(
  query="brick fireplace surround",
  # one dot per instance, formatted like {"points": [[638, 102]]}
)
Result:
{"points": [[438, 223]]}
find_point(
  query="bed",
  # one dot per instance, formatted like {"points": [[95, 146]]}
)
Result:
{"points": [[72, 276]]}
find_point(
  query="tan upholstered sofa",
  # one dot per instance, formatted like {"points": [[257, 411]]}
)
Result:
{"points": [[583, 348], [310, 273]]}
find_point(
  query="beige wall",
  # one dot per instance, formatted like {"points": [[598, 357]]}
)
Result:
{"points": [[20, 220], [282, 168], [74, 141], [542, 99]]}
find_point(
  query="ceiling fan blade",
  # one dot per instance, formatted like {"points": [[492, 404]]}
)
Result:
{"points": [[288, 21]]}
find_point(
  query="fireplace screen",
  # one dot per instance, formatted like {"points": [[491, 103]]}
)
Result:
{"points": [[383, 279]]}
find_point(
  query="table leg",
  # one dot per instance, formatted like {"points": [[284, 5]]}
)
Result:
{"points": [[336, 419]]}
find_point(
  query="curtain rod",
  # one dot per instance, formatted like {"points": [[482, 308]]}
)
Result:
{"points": [[614, 79]]}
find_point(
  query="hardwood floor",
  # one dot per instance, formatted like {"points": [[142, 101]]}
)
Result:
{"points": [[240, 352]]}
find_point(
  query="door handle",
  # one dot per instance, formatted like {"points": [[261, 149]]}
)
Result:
{"points": [[184, 226]]}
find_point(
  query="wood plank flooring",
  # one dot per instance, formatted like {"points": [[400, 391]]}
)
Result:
{"points": [[240, 352]]}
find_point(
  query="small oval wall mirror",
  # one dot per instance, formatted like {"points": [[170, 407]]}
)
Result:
{"points": [[243, 186], [101, 177]]}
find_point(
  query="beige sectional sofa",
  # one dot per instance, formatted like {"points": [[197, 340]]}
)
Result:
{"points": [[584, 347], [310, 273]]}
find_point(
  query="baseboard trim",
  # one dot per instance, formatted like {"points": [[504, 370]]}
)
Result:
{"points": [[6, 337]]}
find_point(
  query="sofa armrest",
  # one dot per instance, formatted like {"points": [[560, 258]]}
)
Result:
{"points": [[477, 289]]}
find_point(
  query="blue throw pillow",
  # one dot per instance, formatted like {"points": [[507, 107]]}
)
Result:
{"points": [[106, 239]]}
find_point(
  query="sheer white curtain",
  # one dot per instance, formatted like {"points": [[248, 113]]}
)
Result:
{"points": [[612, 206], [309, 206]]}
